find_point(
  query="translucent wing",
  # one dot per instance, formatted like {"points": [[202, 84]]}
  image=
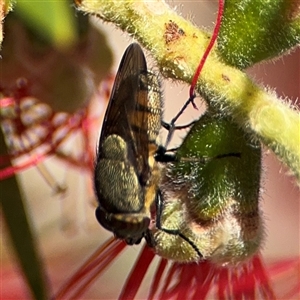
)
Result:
{"points": [[126, 115]]}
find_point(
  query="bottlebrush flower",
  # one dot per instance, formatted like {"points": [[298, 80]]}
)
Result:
{"points": [[33, 131], [170, 280]]}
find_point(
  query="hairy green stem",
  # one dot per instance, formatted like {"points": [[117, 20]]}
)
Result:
{"points": [[177, 46]]}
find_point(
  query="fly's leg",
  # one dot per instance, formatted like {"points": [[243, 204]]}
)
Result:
{"points": [[159, 209]]}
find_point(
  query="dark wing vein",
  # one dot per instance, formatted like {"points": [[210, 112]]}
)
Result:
{"points": [[126, 115]]}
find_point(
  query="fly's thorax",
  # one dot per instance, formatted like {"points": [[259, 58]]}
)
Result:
{"points": [[116, 178]]}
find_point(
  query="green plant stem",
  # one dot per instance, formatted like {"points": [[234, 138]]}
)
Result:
{"points": [[177, 54]]}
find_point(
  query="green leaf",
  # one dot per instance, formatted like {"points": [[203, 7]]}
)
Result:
{"points": [[20, 232], [255, 30], [54, 21]]}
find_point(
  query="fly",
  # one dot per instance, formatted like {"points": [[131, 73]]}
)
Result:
{"points": [[126, 173]]}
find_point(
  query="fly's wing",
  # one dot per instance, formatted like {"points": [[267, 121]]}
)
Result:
{"points": [[126, 114]]}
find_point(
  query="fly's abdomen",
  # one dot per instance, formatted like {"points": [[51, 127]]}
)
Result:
{"points": [[145, 119]]}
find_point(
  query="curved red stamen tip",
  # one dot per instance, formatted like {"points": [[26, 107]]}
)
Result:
{"points": [[208, 49]]}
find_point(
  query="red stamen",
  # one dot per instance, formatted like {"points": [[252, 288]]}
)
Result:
{"points": [[33, 130], [171, 274], [186, 281], [91, 269], [222, 283], [137, 274], [248, 283], [206, 276], [284, 265], [208, 49], [235, 286], [293, 293], [262, 278], [12, 170], [157, 277], [287, 270], [99, 265]]}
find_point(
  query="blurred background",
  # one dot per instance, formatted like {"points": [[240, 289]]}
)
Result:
{"points": [[66, 229]]}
